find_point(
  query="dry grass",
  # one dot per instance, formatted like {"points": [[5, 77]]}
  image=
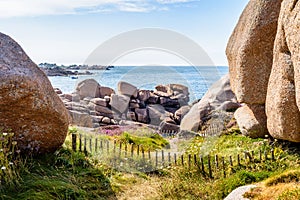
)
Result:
{"points": [[276, 192], [136, 187], [284, 186]]}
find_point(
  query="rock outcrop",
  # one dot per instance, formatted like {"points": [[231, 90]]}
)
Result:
{"points": [[29, 107], [283, 97], [250, 55], [264, 69], [217, 95], [93, 105], [250, 50]]}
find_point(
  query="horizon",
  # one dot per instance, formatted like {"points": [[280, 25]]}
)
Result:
{"points": [[67, 32]]}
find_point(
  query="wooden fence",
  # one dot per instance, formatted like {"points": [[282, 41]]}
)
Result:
{"points": [[210, 166]]}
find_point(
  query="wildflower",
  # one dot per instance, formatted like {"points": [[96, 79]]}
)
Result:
{"points": [[11, 163], [14, 143], [5, 134], [3, 168]]}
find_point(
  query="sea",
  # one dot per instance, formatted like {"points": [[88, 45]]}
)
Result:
{"points": [[197, 79]]}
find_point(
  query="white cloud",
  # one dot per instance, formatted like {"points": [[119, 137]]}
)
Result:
{"points": [[175, 1], [16, 8]]}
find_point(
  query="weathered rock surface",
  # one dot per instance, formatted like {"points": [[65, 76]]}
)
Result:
{"points": [[119, 102], [252, 121], [238, 193], [216, 95], [181, 112], [250, 50], [125, 88], [29, 107], [157, 114], [88, 88], [106, 91], [81, 118], [283, 97]]}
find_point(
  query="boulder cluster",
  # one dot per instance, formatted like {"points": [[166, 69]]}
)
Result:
{"points": [[93, 105], [263, 54]]}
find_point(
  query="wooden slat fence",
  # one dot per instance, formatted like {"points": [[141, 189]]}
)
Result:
{"points": [[129, 154]]}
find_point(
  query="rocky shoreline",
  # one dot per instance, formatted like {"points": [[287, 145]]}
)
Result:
{"points": [[93, 105], [71, 70]]}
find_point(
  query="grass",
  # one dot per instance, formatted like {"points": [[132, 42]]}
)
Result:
{"points": [[64, 175], [70, 175], [149, 142]]}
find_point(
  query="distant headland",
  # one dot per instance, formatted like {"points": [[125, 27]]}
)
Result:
{"points": [[70, 70]]}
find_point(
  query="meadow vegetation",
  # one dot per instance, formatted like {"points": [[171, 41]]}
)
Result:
{"points": [[74, 175]]}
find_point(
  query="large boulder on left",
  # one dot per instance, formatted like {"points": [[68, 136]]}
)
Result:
{"points": [[29, 107]]}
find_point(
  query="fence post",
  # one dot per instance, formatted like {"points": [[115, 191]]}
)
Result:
{"points": [[125, 153], [216, 161], [120, 149], [260, 156], [149, 155], [195, 160], [230, 161], [266, 155], [74, 142], [107, 146], [239, 160], [209, 166], [224, 168], [175, 159], [169, 158], [202, 165], [143, 152], [138, 150], [101, 145], [84, 148], [115, 146], [96, 145], [91, 145], [80, 142], [272, 154], [245, 157], [182, 160], [132, 150], [189, 160]]}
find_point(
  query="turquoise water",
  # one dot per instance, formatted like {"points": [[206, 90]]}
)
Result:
{"points": [[198, 79]]}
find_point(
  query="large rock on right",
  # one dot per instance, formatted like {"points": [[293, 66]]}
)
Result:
{"points": [[250, 50], [283, 97]]}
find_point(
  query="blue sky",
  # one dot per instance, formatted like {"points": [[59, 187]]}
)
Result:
{"points": [[67, 31]]}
